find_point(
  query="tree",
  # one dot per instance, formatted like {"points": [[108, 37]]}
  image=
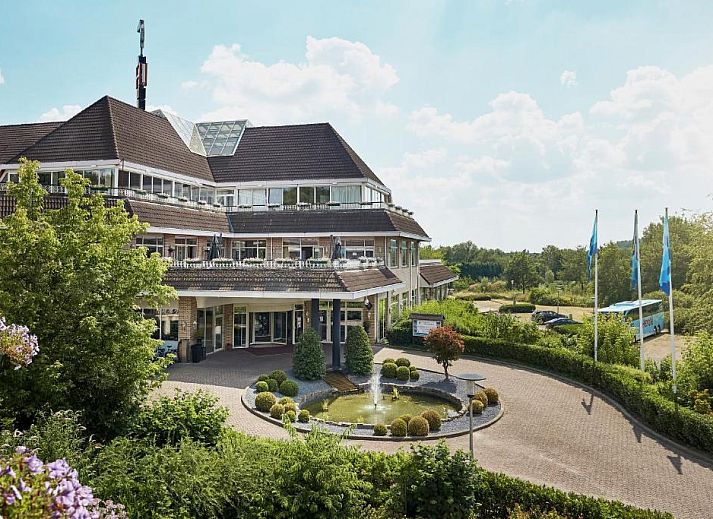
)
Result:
{"points": [[614, 274], [551, 258], [521, 268], [428, 252], [70, 276], [308, 359], [446, 345], [359, 355], [574, 266], [616, 343]]}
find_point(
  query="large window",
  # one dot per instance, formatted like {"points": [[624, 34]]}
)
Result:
{"points": [[346, 194], [393, 253], [152, 244], [302, 248], [354, 249], [413, 252], [207, 195], [186, 248], [404, 253], [252, 197], [307, 195], [245, 249], [226, 197], [322, 194], [373, 195]]}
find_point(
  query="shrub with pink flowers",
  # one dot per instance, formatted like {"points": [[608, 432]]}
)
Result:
{"points": [[32, 489], [17, 344]]}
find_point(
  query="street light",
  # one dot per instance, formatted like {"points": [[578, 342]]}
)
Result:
{"points": [[471, 379]]}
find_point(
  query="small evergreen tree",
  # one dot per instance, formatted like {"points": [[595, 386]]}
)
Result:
{"points": [[308, 360], [359, 355]]}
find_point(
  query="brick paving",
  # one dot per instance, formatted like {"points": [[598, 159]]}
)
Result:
{"points": [[552, 433]]}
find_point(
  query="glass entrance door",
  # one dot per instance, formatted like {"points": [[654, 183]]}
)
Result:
{"points": [[261, 327], [218, 335], [280, 328], [240, 328], [209, 347]]}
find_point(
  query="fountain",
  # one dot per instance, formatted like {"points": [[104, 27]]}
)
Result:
{"points": [[375, 388]]}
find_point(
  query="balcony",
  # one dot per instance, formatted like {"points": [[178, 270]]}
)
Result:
{"points": [[277, 264]]}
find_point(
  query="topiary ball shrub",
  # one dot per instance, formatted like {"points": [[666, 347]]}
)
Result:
{"points": [[262, 386], [289, 388], [403, 373], [388, 370], [480, 395], [291, 415], [290, 406], [277, 410], [477, 406], [285, 400], [415, 375], [303, 416], [418, 426], [380, 430], [398, 427], [264, 401], [262, 377], [308, 359], [389, 360], [406, 418], [359, 357], [492, 395], [401, 361], [433, 419], [279, 375], [272, 384]]}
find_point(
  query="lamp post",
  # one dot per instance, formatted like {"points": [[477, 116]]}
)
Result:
{"points": [[470, 379]]}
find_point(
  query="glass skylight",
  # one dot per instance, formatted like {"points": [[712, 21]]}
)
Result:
{"points": [[221, 138], [186, 130]]}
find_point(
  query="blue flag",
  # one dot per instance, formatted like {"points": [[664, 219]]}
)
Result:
{"points": [[635, 253], [665, 275], [593, 245]]}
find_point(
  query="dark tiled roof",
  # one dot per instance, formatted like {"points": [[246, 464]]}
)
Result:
{"points": [[7, 203], [304, 151], [110, 129], [16, 137], [164, 215], [261, 279], [328, 221], [436, 273]]}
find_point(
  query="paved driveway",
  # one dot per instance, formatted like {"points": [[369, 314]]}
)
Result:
{"points": [[552, 433]]}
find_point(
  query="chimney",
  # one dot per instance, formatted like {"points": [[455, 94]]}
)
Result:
{"points": [[142, 70]]}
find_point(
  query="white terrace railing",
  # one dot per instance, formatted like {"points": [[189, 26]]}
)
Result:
{"points": [[280, 263]]}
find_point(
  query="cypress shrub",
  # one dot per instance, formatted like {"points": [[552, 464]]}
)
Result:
{"points": [[388, 370], [308, 358], [403, 373], [272, 385], [398, 427], [289, 388], [277, 410], [418, 426], [264, 401], [433, 419], [359, 355], [279, 375], [380, 430]]}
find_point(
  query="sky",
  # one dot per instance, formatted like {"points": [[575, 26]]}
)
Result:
{"points": [[504, 122]]}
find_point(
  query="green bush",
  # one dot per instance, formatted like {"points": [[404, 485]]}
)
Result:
{"points": [[279, 375], [359, 357], [398, 427], [272, 385], [262, 387], [291, 415], [477, 406], [492, 394], [418, 426], [169, 420], [388, 370], [616, 340], [388, 360], [308, 358], [433, 419], [402, 361], [264, 401], [482, 396], [473, 297], [406, 418], [517, 308], [303, 416], [263, 377], [285, 400], [289, 388], [414, 375], [380, 430], [403, 373], [290, 406], [277, 410]]}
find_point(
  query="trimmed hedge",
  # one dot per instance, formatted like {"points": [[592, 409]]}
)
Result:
{"points": [[403, 373], [264, 401], [289, 388], [380, 429], [517, 308], [388, 370], [262, 387], [433, 419], [398, 427], [418, 426], [279, 375]]}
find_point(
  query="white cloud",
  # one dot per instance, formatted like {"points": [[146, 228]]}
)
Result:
{"points": [[338, 78], [568, 78], [2, 79], [55, 114], [514, 177]]}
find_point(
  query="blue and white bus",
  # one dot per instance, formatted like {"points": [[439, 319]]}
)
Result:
{"points": [[652, 311]]}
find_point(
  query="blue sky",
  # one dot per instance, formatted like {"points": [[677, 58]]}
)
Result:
{"points": [[502, 122]]}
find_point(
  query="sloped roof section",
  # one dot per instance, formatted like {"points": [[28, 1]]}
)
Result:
{"points": [[436, 273], [16, 137], [328, 221], [356, 280], [292, 152], [174, 217]]}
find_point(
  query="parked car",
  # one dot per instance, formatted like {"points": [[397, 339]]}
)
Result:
{"points": [[560, 321], [542, 316]]}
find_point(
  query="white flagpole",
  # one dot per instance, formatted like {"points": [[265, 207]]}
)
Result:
{"points": [[670, 313], [596, 288], [638, 282]]}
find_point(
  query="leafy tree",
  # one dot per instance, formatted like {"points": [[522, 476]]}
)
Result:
{"points": [[70, 276], [615, 341], [308, 359], [574, 266], [552, 258], [614, 274], [521, 268], [359, 355], [696, 367], [428, 252], [446, 345]]}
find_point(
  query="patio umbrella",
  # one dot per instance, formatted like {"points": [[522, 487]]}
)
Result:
{"points": [[214, 251], [337, 248]]}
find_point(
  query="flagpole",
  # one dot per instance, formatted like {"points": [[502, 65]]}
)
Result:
{"points": [[638, 282], [596, 287], [670, 313]]}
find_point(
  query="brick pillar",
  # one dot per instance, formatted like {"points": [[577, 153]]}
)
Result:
{"points": [[336, 334], [373, 317], [228, 317], [187, 315], [314, 316]]}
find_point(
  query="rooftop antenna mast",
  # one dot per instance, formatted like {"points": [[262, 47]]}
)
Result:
{"points": [[142, 70]]}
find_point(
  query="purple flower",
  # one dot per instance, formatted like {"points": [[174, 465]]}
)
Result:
{"points": [[34, 464], [58, 469]]}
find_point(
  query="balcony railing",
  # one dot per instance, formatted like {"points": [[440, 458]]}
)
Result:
{"points": [[280, 263]]}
